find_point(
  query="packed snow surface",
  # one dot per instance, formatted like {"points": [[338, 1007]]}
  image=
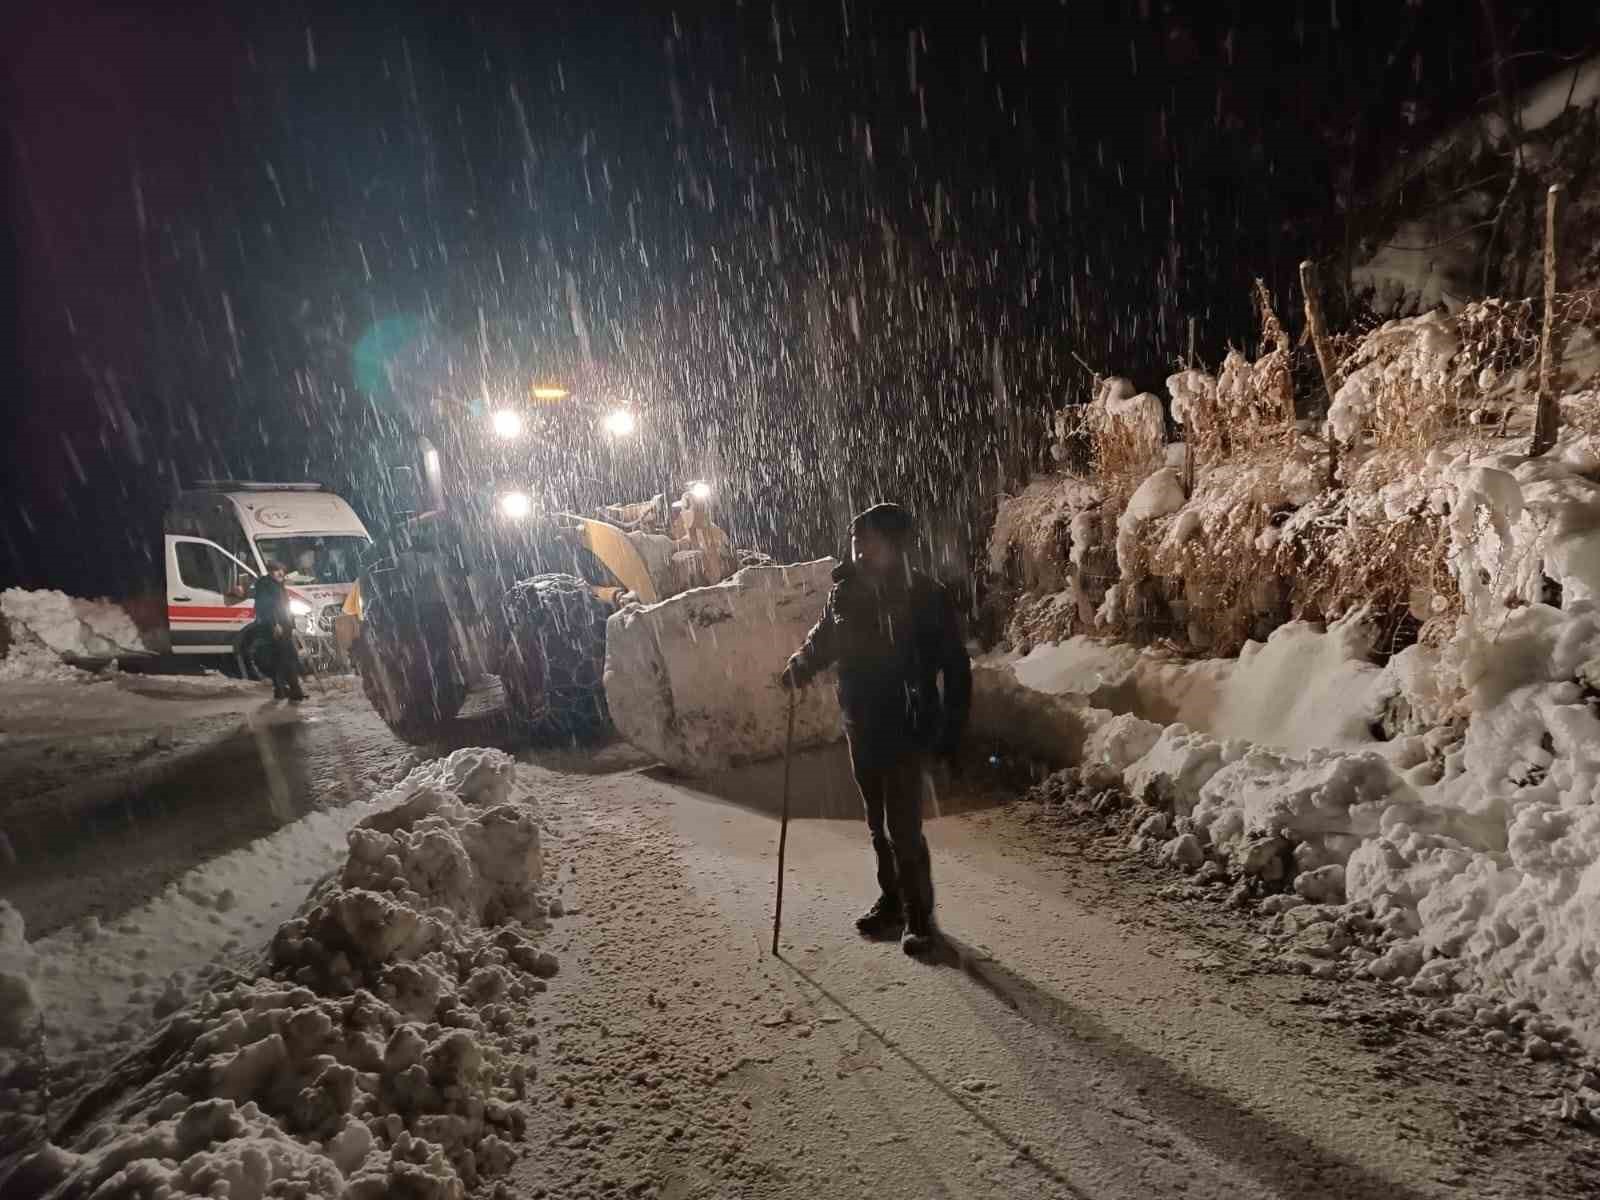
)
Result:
{"points": [[378, 1049], [694, 679]]}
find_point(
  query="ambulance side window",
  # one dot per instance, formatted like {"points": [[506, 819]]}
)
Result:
{"points": [[203, 566], [225, 530]]}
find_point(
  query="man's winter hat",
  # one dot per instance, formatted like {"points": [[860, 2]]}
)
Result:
{"points": [[887, 520]]}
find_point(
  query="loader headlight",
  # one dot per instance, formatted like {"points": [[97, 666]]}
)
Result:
{"points": [[515, 505], [299, 608], [620, 422], [507, 423]]}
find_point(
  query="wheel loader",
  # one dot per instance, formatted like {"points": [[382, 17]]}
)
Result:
{"points": [[483, 576]]}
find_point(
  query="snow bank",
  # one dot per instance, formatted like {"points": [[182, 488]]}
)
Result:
{"points": [[1574, 87], [1053, 728], [1435, 815], [1483, 845], [19, 1004], [1304, 688], [70, 626], [97, 985], [29, 660], [1449, 796], [380, 1052], [694, 679]]}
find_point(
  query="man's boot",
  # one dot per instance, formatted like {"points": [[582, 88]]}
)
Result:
{"points": [[916, 886], [920, 937], [886, 916], [882, 920]]}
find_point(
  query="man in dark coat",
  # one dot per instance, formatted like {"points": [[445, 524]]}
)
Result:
{"points": [[892, 632], [272, 613]]}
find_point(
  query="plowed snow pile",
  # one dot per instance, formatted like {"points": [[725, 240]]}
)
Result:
{"points": [[1436, 821], [694, 679], [95, 985], [377, 1051], [46, 626]]}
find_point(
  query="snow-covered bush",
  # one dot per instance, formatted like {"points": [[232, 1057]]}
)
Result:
{"points": [[1127, 428], [1047, 554]]}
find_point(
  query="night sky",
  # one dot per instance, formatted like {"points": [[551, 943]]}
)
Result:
{"points": [[836, 247]]}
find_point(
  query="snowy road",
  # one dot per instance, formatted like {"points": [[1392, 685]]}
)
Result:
{"points": [[1069, 1045], [1080, 1039], [110, 791]]}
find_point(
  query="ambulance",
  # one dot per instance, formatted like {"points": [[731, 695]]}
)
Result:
{"points": [[220, 535]]}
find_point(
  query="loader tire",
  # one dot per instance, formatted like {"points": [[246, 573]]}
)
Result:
{"points": [[552, 664], [403, 657]]}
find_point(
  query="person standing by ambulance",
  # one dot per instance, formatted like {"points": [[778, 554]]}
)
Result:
{"points": [[272, 612]]}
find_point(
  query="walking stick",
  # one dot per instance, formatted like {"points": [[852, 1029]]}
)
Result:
{"points": [[783, 828]]}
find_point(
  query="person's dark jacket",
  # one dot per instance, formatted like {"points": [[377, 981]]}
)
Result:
{"points": [[890, 643], [272, 604]]}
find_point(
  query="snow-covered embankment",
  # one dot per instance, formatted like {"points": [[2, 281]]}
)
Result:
{"points": [[1435, 822]]}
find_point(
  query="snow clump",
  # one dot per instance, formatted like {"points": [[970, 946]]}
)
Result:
{"points": [[1190, 390], [1139, 416]]}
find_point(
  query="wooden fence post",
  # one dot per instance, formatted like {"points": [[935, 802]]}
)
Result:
{"points": [[1547, 418], [1330, 369]]}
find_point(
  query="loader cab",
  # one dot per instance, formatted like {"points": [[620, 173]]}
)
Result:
{"points": [[218, 539]]}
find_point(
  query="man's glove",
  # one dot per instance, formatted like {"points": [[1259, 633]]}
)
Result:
{"points": [[795, 676]]}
